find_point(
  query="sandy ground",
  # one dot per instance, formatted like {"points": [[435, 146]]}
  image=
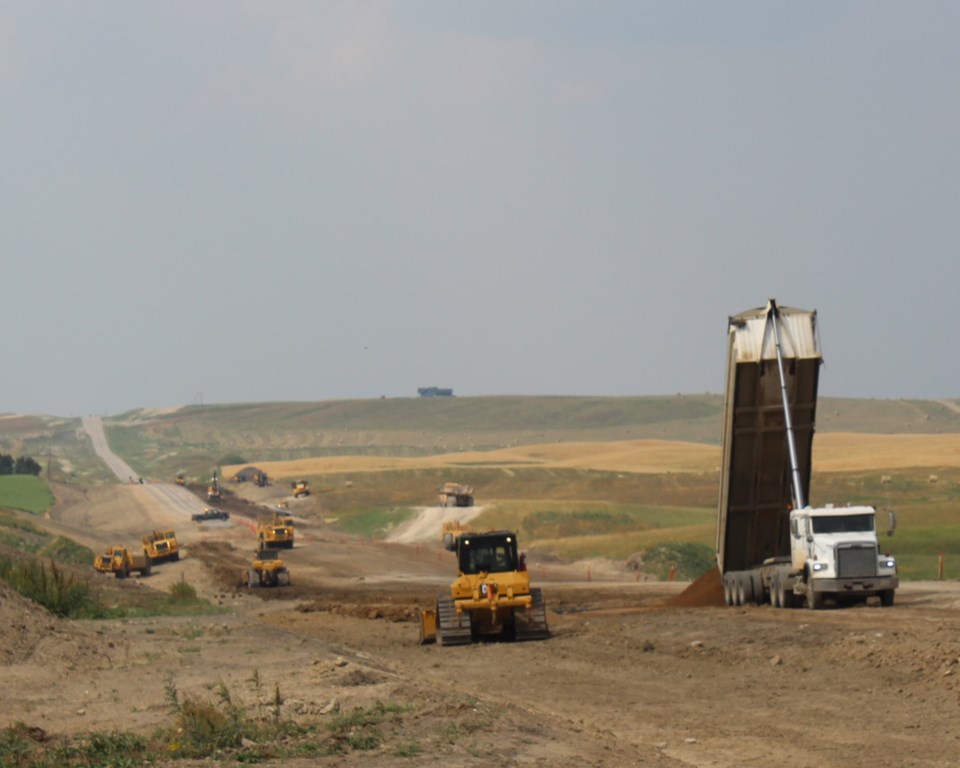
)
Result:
{"points": [[630, 676], [424, 528]]}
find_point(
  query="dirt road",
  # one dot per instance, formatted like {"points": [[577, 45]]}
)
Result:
{"points": [[625, 680]]}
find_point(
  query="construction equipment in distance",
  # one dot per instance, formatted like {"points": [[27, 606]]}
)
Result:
{"points": [[161, 545], [181, 478], [300, 488], [268, 570], [275, 532], [209, 513], [456, 495], [491, 596], [213, 490], [120, 561]]}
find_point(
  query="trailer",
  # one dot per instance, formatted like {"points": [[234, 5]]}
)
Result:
{"points": [[772, 547]]}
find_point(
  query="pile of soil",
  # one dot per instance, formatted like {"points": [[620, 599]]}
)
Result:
{"points": [[705, 591]]}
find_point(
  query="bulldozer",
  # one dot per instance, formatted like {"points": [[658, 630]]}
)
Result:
{"points": [[300, 488], [455, 495], [491, 596], [275, 532], [161, 545], [120, 561], [181, 478], [267, 570]]}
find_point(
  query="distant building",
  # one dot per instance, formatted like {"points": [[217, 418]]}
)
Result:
{"points": [[434, 392]]}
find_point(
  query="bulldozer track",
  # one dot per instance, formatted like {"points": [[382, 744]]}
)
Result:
{"points": [[532, 624], [453, 628]]}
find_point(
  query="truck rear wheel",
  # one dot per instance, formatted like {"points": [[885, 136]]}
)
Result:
{"points": [[744, 589], [776, 593], [756, 581], [727, 590]]}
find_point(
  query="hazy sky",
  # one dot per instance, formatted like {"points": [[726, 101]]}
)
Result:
{"points": [[300, 200]]}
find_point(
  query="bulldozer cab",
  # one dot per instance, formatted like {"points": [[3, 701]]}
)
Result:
{"points": [[487, 553]]}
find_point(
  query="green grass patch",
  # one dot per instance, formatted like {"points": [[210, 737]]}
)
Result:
{"points": [[25, 492], [374, 521], [64, 550], [49, 586]]}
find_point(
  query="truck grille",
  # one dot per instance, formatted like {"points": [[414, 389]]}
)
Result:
{"points": [[856, 561]]}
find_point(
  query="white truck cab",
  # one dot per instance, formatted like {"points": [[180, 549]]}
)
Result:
{"points": [[837, 551]]}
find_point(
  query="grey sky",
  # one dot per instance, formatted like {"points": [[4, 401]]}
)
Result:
{"points": [[313, 200]]}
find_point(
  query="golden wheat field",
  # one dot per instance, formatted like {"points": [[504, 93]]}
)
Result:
{"points": [[833, 452]]}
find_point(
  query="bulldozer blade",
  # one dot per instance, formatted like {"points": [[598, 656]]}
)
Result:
{"points": [[428, 626]]}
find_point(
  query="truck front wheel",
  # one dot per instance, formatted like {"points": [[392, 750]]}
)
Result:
{"points": [[886, 597], [814, 598]]}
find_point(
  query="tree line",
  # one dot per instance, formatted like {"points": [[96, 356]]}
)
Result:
{"points": [[22, 465]]}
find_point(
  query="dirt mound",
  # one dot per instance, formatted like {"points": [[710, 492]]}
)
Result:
{"points": [[706, 590], [23, 624]]}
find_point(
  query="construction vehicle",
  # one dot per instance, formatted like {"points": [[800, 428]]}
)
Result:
{"points": [[300, 488], [456, 495], [120, 561], [213, 490], [268, 570], [260, 479], [275, 532], [771, 545], [209, 513], [162, 545], [491, 596], [181, 478]]}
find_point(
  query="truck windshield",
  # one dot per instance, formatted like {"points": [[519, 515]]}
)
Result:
{"points": [[843, 524], [488, 554]]}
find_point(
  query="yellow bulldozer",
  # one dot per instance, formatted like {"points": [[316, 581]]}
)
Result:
{"points": [[161, 545], [267, 570], [491, 596], [455, 495], [300, 488], [275, 532], [120, 561]]}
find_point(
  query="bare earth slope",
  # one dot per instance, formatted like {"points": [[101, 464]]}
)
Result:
{"points": [[625, 680]]}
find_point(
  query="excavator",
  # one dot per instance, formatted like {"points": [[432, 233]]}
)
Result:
{"points": [[491, 596], [213, 490]]}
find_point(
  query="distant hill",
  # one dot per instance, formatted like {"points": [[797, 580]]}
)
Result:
{"points": [[196, 438], [205, 436]]}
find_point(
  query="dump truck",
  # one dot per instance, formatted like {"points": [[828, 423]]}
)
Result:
{"points": [[267, 570], [772, 547], [300, 488], [491, 596], [213, 490], [275, 532], [121, 561], [455, 495], [162, 545]]}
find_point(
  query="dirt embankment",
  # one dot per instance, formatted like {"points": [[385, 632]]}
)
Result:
{"points": [[636, 673]]}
